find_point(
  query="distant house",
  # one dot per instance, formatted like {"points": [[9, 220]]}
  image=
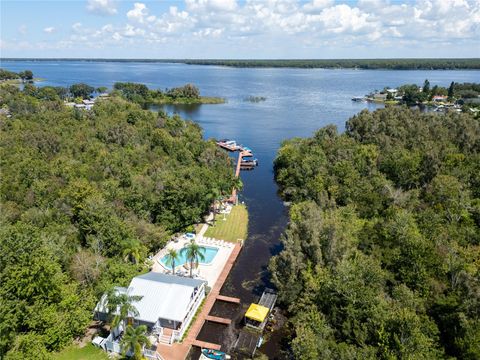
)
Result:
{"points": [[167, 306], [88, 104], [439, 98], [393, 92], [379, 97]]}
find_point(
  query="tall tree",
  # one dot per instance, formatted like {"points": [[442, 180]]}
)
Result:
{"points": [[426, 87], [451, 90], [171, 258], [195, 253], [120, 307], [134, 339]]}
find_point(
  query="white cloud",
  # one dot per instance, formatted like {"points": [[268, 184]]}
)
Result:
{"points": [[49, 30], [22, 29], [211, 5], [316, 5], [139, 13], [101, 7], [290, 25], [77, 27]]}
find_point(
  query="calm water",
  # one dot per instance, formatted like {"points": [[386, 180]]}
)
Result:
{"points": [[299, 101]]}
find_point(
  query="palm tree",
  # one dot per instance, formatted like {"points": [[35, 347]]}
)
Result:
{"points": [[195, 253], [133, 340], [171, 257], [132, 251], [121, 306]]}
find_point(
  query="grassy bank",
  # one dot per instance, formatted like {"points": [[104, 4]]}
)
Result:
{"points": [[233, 228], [88, 352]]}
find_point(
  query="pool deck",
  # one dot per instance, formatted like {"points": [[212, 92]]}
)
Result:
{"points": [[209, 272], [179, 351]]}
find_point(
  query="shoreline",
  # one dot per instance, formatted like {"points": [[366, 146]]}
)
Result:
{"points": [[420, 64]]}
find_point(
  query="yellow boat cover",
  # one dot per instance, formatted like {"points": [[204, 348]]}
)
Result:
{"points": [[257, 312]]}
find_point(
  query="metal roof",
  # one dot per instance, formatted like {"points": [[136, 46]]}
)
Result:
{"points": [[163, 296]]}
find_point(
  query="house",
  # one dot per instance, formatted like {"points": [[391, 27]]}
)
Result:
{"points": [[379, 97], [88, 104], [439, 98], [393, 92], [167, 306]]}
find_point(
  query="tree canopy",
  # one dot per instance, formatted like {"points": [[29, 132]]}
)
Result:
{"points": [[85, 197], [382, 255]]}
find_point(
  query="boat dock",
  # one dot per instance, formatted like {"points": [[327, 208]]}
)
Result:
{"points": [[231, 145], [258, 314], [229, 299], [268, 299], [246, 343], [205, 345], [218, 320]]}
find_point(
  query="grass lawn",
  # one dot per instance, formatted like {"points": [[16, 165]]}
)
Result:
{"points": [[86, 353], [235, 227]]}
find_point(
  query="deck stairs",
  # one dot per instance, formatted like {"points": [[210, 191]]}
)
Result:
{"points": [[166, 337]]}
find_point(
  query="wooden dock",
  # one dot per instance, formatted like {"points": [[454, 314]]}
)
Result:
{"points": [[218, 320], [207, 345], [229, 299]]}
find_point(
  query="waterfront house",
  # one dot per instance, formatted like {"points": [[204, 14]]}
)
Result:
{"points": [[379, 97], [167, 306], [440, 98], [393, 92]]}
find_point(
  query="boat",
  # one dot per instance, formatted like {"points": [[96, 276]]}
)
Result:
{"points": [[230, 145], [257, 315], [358, 99], [249, 161], [213, 354]]}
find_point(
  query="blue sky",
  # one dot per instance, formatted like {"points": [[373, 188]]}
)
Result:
{"points": [[240, 29]]}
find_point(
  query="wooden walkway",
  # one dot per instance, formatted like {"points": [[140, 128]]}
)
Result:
{"points": [[180, 351], [228, 299], [204, 344], [241, 154], [219, 320]]}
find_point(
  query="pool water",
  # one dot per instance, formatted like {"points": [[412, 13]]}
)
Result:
{"points": [[209, 253]]}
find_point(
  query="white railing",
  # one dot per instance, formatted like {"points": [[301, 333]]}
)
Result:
{"points": [[177, 334]]}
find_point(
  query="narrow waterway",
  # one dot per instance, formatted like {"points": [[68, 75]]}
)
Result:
{"points": [[298, 101]]}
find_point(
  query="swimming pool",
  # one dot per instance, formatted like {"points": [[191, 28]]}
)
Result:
{"points": [[209, 253]]}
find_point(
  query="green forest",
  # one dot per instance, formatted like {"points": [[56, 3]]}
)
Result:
{"points": [[373, 64], [85, 197], [381, 258]]}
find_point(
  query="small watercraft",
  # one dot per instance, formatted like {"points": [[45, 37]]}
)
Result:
{"points": [[358, 98], [249, 161], [230, 145], [213, 354]]}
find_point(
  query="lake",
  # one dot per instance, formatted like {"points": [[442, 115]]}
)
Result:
{"points": [[298, 101]]}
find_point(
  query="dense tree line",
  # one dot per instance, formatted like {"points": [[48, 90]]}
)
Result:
{"points": [[142, 95], [413, 94], [381, 258], [26, 75], [373, 64], [85, 197]]}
